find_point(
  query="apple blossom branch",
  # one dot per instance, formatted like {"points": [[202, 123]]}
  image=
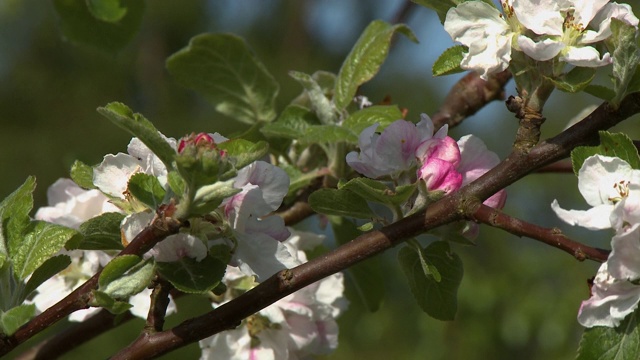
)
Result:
{"points": [[468, 96], [553, 237], [162, 226], [456, 206]]}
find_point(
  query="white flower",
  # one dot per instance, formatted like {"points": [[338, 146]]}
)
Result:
{"points": [[604, 182], [70, 205], [475, 161], [610, 302], [259, 251], [566, 33], [392, 151], [483, 29], [113, 173], [297, 326]]}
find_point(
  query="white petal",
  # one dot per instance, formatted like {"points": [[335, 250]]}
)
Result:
{"points": [[623, 261], [585, 56], [540, 16], [113, 173], [541, 51], [596, 218], [597, 176]]}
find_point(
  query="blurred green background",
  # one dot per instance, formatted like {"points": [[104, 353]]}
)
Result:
{"points": [[518, 299]]}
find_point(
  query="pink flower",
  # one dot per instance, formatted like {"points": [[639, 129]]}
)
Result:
{"points": [[394, 150], [440, 175], [475, 161]]}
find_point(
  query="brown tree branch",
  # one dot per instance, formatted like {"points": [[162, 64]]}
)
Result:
{"points": [[455, 206], [468, 96], [562, 166], [554, 237]]}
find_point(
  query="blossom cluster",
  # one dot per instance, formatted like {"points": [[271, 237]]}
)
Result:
{"points": [[260, 244], [612, 187], [567, 30], [442, 163], [295, 327]]}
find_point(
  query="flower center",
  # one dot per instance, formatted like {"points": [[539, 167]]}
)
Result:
{"points": [[622, 188]]}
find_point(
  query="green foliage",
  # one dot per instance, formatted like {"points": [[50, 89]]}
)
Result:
{"points": [[292, 123], [125, 276], [340, 202], [449, 61], [82, 175], [11, 320], [49, 268], [365, 59], [101, 232], [191, 276], [614, 145], [435, 290], [103, 24], [365, 278], [601, 92], [14, 213], [223, 69], [320, 104], [361, 119], [244, 152], [107, 10], [377, 191], [624, 50], [327, 134], [604, 343], [147, 189], [41, 241], [209, 197], [138, 126], [575, 80], [103, 300]]}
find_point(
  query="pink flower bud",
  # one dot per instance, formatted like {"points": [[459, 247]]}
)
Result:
{"points": [[197, 140], [441, 148], [440, 175]]}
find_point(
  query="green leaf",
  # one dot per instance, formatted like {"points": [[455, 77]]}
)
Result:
{"points": [[327, 134], [125, 276], [147, 189], [41, 241], [191, 276], [436, 298], [624, 50], [614, 145], [575, 80], [209, 197], [11, 320], [223, 69], [320, 104], [601, 92], [327, 82], [102, 232], [82, 26], [441, 7], [298, 179], [377, 191], [14, 213], [365, 59], [106, 10], [449, 62], [103, 300], [176, 182], [138, 126], [82, 175], [244, 152], [605, 343], [340, 202], [49, 268], [366, 279], [292, 123], [361, 119]]}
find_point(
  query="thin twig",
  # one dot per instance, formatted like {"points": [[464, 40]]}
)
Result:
{"points": [[553, 237]]}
